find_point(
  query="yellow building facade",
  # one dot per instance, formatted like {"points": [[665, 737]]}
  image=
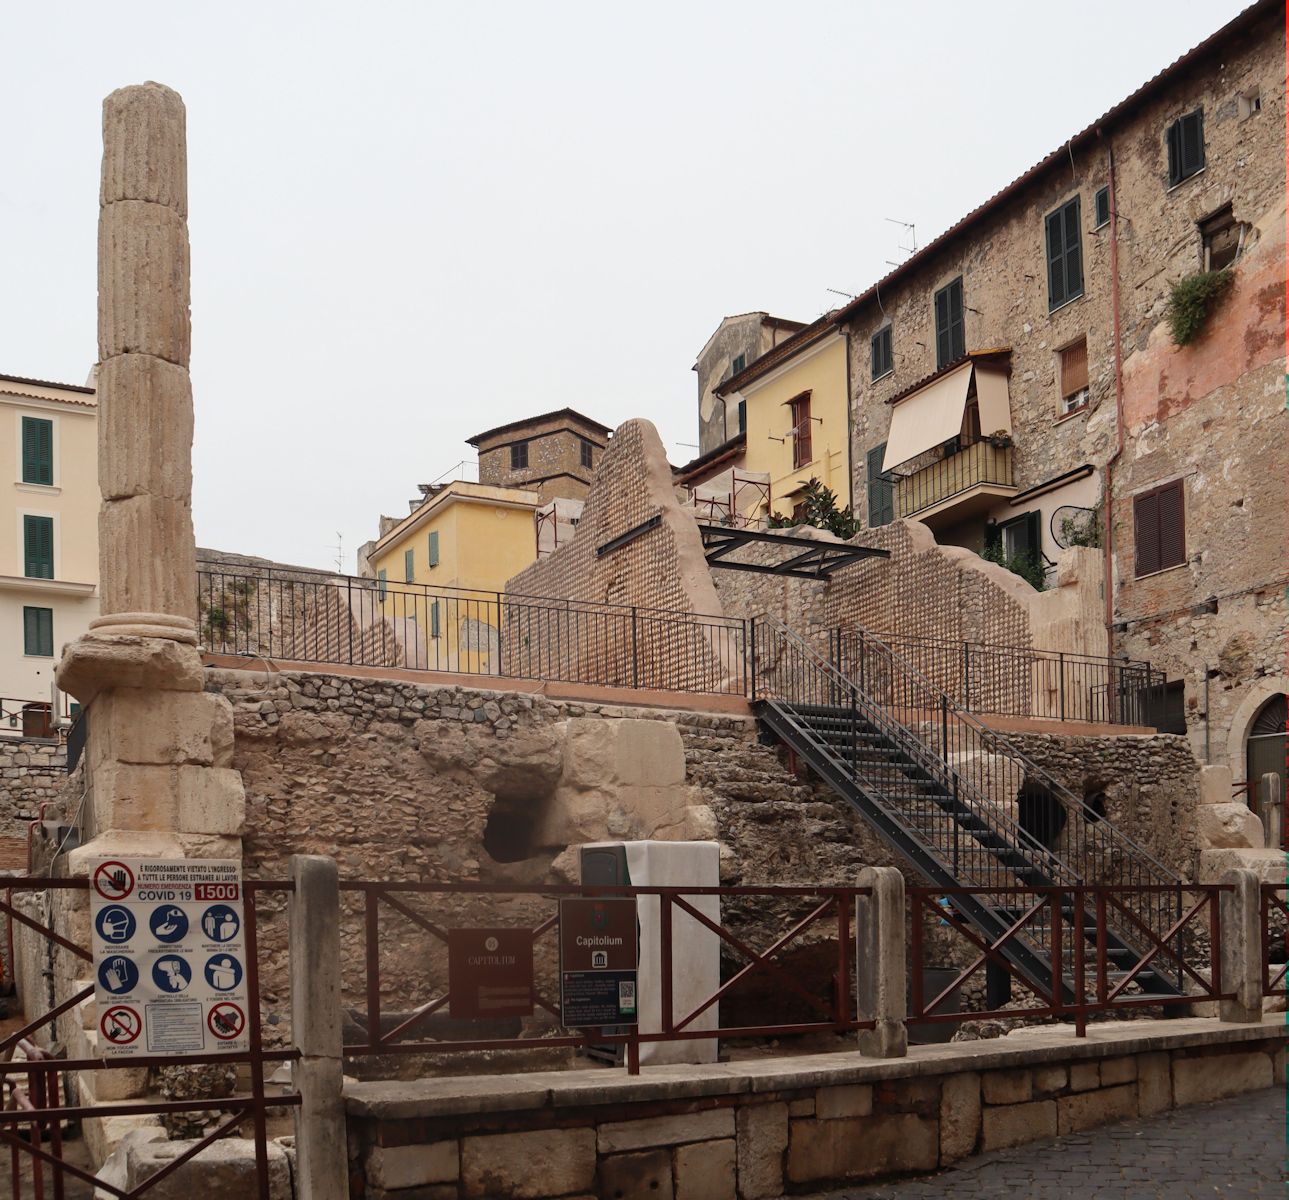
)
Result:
{"points": [[793, 412], [441, 571]]}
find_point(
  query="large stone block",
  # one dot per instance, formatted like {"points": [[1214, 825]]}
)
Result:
{"points": [[224, 1170], [143, 282], [852, 1100], [547, 1162], [126, 796], [98, 661], [762, 1139], [959, 1116], [1217, 1076], [638, 753], [666, 1131], [210, 800], [642, 1176], [1118, 1070], [145, 147], [147, 556], [145, 422], [1227, 826], [705, 1171], [1215, 785], [862, 1147], [1154, 1084], [1268, 865], [1007, 1087], [1015, 1124], [1089, 1109], [133, 725], [393, 1167]]}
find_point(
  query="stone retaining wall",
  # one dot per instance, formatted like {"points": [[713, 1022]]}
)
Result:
{"points": [[760, 1129], [32, 771]]}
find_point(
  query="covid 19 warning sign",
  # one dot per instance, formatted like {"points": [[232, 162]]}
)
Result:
{"points": [[169, 956]]}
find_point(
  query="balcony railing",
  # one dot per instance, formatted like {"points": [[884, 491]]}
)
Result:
{"points": [[977, 464]]}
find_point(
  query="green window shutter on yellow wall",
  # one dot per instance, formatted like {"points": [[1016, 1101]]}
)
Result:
{"points": [[409, 566], [434, 618], [380, 585], [38, 632], [37, 450], [38, 547], [434, 549]]}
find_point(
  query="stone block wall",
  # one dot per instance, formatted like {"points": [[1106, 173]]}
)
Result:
{"points": [[32, 772], [749, 1135]]}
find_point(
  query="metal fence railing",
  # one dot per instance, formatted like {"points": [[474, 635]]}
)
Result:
{"points": [[1017, 681]]}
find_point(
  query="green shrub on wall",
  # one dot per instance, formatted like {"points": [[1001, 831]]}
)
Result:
{"points": [[1028, 565], [820, 509], [1192, 300]]}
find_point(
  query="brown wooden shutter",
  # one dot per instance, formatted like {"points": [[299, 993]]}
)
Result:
{"points": [[1074, 368], [1172, 525], [1145, 510]]}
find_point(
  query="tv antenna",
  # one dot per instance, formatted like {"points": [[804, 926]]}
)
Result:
{"points": [[839, 292], [339, 548], [912, 232]]}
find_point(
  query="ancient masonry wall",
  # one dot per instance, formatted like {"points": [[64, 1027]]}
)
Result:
{"points": [[32, 773]]}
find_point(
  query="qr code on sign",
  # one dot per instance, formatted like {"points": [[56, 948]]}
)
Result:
{"points": [[626, 997]]}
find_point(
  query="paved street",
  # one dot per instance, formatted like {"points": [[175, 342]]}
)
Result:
{"points": [[1233, 1149]]}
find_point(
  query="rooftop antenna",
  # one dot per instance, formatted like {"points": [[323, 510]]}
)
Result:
{"points": [[839, 292], [911, 230], [339, 548]]}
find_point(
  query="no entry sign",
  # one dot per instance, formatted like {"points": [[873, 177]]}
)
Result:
{"points": [[598, 954], [169, 956]]}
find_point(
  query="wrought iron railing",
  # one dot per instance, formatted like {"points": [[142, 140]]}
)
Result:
{"points": [[344, 620], [36, 718], [1016, 681], [962, 800], [975, 464]]}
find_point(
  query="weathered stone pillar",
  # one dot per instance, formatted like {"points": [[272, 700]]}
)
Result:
{"points": [[881, 974], [1241, 946], [320, 1145], [1271, 804]]}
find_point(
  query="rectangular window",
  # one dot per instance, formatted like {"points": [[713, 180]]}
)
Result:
{"points": [[1064, 255], [950, 332], [1159, 526], [742, 416], [38, 547], [587, 454], [881, 490], [880, 353], [409, 566], [1185, 147], [740, 361], [37, 450], [38, 632], [802, 451], [1222, 238], [519, 456], [1074, 377], [1101, 202], [434, 618], [381, 589], [433, 553]]}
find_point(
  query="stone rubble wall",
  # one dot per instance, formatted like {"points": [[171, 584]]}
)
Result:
{"points": [[759, 1137], [32, 773]]}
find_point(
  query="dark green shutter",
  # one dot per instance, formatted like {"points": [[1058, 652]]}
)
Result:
{"points": [[38, 632], [380, 585], [409, 566], [1102, 202], [950, 327], [434, 618], [1064, 255], [742, 416], [943, 354], [38, 547], [37, 450], [1185, 147], [434, 548], [881, 490]]}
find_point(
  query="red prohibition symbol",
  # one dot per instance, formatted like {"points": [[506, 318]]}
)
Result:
{"points": [[226, 1021], [121, 1025], [113, 880]]}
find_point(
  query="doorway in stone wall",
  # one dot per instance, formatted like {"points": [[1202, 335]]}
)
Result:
{"points": [[1265, 750]]}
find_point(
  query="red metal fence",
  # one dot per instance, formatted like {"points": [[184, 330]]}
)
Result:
{"points": [[34, 1088], [1274, 927]]}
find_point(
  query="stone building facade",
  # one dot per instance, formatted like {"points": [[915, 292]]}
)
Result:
{"points": [[554, 454], [1147, 415]]}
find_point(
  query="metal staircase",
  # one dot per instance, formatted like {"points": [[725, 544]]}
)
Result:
{"points": [[965, 807]]}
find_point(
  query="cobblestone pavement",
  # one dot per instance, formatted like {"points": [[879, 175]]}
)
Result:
{"points": [[1232, 1150]]}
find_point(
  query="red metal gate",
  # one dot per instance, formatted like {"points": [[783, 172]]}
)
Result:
{"points": [[35, 1122]]}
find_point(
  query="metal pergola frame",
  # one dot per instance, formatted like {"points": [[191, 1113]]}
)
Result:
{"points": [[813, 560]]}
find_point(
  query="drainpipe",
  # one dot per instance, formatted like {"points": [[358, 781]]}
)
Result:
{"points": [[1108, 493]]}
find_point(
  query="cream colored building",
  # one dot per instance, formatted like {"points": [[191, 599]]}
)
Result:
{"points": [[48, 532]]}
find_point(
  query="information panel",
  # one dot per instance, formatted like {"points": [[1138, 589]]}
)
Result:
{"points": [[169, 956], [598, 955], [490, 973]]}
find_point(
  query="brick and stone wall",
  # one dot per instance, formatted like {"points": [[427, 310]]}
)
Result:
{"points": [[555, 468], [32, 772]]}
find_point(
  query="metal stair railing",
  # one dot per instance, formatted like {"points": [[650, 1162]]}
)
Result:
{"points": [[960, 795]]}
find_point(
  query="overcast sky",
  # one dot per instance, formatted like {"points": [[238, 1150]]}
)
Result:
{"points": [[414, 221]]}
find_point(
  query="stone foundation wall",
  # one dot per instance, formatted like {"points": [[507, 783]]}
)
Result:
{"points": [[32, 772], [759, 1130]]}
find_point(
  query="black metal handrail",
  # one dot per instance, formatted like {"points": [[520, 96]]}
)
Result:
{"points": [[1018, 681], [970, 798], [344, 620]]}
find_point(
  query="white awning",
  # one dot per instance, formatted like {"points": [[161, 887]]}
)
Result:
{"points": [[993, 399], [929, 417]]}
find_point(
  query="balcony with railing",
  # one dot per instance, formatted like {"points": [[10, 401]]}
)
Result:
{"points": [[962, 481]]}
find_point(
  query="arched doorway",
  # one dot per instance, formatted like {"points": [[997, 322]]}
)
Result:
{"points": [[1265, 752]]}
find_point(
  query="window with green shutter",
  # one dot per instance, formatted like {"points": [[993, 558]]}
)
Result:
{"points": [[38, 632], [1064, 255], [37, 450], [409, 566], [879, 348], [381, 589], [881, 490], [434, 549], [1102, 203], [950, 328], [434, 618], [1185, 147], [38, 547]]}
